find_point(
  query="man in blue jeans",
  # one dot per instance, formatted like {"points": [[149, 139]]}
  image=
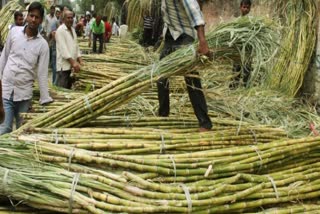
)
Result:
{"points": [[25, 55]]}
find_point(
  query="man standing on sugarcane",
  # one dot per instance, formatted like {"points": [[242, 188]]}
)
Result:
{"points": [[25, 55], [184, 23]]}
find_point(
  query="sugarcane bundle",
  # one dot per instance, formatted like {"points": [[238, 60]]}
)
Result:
{"points": [[125, 51], [6, 14], [140, 140], [188, 166], [269, 107], [182, 61], [298, 43], [136, 9], [96, 191]]}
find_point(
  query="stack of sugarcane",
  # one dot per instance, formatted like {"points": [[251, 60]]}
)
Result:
{"points": [[269, 107], [298, 43], [234, 179], [183, 60], [138, 139], [118, 61], [60, 96], [6, 14]]}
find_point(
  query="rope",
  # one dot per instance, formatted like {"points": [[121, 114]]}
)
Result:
{"points": [[70, 157], [163, 145], [254, 136], [208, 171], [55, 136], [174, 167], [128, 122], [188, 197], [154, 68], [258, 152], [88, 105], [64, 139], [73, 189], [240, 123], [274, 186], [93, 86], [193, 49]]}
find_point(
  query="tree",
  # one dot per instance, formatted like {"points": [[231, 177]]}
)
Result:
{"points": [[99, 5]]}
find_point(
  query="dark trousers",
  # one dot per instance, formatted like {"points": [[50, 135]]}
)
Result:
{"points": [[95, 38], [53, 57], [147, 37], [64, 80], [194, 87], [243, 75]]}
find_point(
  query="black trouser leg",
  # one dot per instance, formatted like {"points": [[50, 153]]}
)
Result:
{"points": [[147, 37], [100, 36], [244, 75], [198, 101], [63, 79], [163, 97], [94, 46]]}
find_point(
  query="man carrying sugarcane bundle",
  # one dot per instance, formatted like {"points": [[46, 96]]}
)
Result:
{"points": [[184, 23], [243, 71]]}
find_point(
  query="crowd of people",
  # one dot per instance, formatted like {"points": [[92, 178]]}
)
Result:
{"points": [[37, 39]]}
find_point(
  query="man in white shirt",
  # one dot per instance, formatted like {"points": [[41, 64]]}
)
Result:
{"points": [[68, 52], [115, 27], [25, 55], [51, 21]]}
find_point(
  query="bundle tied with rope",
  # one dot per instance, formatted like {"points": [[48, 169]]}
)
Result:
{"points": [[257, 33]]}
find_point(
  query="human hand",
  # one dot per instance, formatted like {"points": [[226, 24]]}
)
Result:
{"points": [[203, 50], [53, 35], [76, 67]]}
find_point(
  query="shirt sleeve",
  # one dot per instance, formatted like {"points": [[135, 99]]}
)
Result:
{"points": [[194, 12], [43, 74], [77, 45], [5, 53], [62, 44]]}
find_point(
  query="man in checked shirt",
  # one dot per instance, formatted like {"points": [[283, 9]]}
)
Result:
{"points": [[25, 56], [184, 23]]}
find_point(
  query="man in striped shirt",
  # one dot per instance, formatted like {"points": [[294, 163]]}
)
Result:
{"points": [[184, 23], [147, 29]]}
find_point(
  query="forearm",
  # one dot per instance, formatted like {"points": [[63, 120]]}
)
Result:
{"points": [[203, 48], [201, 33]]}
